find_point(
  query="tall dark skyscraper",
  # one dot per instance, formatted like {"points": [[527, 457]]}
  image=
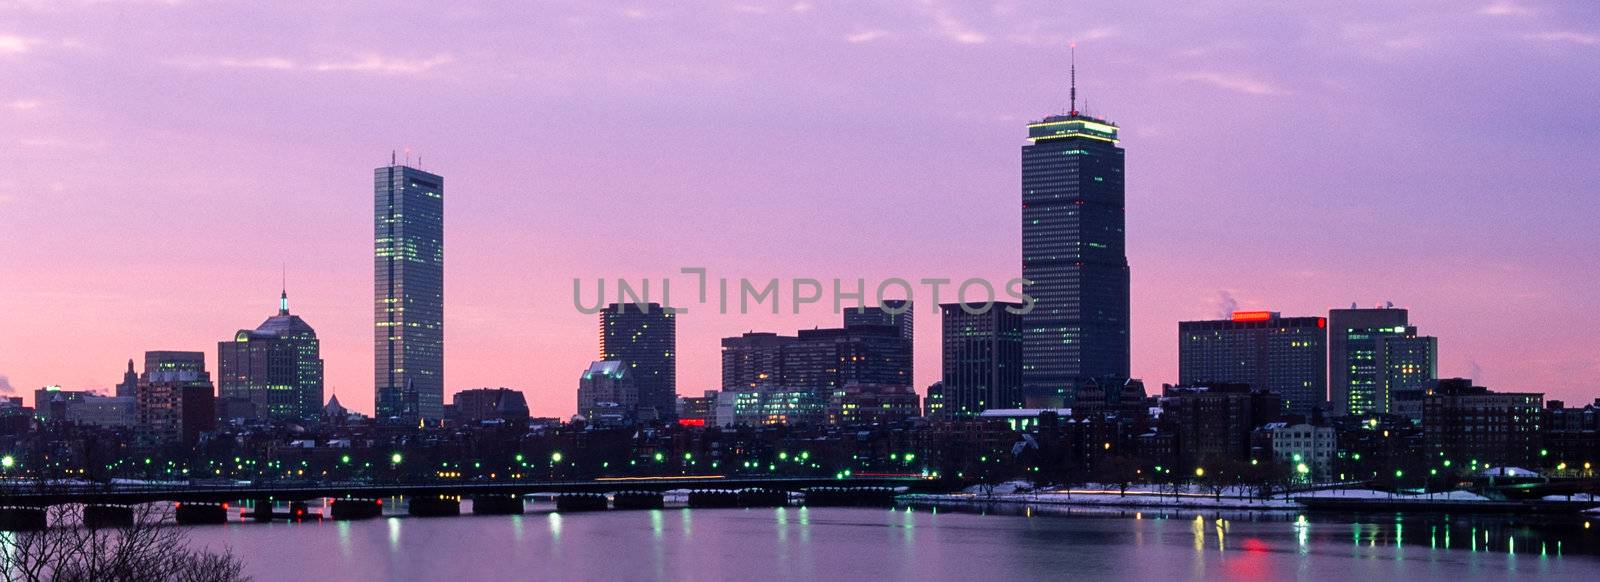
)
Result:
{"points": [[276, 367], [1286, 355], [1073, 256], [645, 340], [982, 359], [408, 267]]}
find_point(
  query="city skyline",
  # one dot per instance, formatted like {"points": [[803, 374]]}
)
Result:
{"points": [[1408, 212]]}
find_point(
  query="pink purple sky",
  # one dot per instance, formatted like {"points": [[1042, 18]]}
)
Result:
{"points": [[160, 160]]}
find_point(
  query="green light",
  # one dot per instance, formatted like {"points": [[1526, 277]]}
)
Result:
{"points": [[344, 459], [555, 457], [8, 462], [519, 457], [660, 457], [1447, 462], [1398, 473], [782, 456], [1544, 452], [910, 457], [1302, 468], [396, 458], [1298, 458]]}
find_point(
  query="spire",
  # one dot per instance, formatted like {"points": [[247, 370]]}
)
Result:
{"points": [[283, 299], [1074, 48]]}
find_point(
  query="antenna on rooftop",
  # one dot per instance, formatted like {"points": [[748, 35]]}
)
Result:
{"points": [[1073, 47]]}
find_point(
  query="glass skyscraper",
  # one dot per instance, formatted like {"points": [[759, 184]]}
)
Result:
{"points": [[1376, 361], [408, 268], [1073, 257]]}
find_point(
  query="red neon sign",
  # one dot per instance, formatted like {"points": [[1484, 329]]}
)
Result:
{"points": [[1252, 315], [691, 422]]}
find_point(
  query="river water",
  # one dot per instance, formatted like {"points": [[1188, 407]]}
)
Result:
{"points": [[921, 543]]}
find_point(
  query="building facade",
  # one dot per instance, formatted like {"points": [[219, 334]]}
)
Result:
{"points": [[608, 395], [276, 368], [644, 338], [982, 358], [176, 400], [1308, 450], [1286, 355], [1474, 425], [408, 273], [1073, 256], [1364, 372]]}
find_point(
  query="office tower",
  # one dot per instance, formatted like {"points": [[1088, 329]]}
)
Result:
{"points": [[1374, 357], [982, 358], [130, 382], [409, 294], [1286, 355], [276, 368], [609, 395], [753, 359], [176, 400], [645, 339], [895, 312], [1408, 366], [1073, 256], [1470, 424]]}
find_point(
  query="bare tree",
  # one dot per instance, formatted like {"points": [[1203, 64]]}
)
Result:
{"points": [[151, 548]]}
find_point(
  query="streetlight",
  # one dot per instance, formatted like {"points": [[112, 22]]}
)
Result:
{"points": [[8, 462], [395, 459], [1199, 471], [555, 457]]}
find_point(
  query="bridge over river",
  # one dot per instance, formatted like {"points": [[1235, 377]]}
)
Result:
{"points": [[24, 506]]}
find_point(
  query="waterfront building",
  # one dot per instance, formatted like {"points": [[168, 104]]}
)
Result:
{"points": [[1285, 355], [1073, 255], [1474, 425], [854, 404], [643, 338], [274, 370], [982, 358], [1214, 422], [408, 274], [1308, 450]]}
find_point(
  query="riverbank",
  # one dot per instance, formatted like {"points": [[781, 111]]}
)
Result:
{"points": [[1239, 498]]}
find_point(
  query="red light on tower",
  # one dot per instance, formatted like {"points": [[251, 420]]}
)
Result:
{"points": [[1248, 316]]}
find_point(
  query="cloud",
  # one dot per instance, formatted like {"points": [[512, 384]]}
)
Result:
{"points": [[866, 36], [802, 7], [5, 385], [954, 29], [1234, 82], [1566, 36], [386, 65], [24, 104], [272, 63], [369, 63], [11, 44], [1505, 8]]}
